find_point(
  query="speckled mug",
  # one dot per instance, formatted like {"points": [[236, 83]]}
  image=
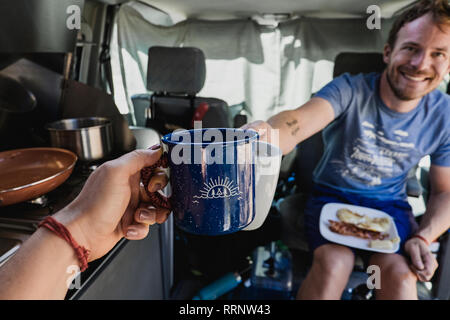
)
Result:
{"points": [[212, 179]]}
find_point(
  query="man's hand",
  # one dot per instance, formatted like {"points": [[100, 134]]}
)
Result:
{"points": [[265, 131], [423, 263], [113, 204]]}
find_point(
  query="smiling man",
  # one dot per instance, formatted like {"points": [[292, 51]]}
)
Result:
{"points": [[417, 54], [376, 127]]}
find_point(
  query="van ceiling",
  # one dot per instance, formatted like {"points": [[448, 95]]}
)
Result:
{"points": [[219, 9]]}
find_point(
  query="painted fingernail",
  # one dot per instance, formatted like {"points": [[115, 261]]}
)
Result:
{"points": [[155, 147], [147, 216], [131, 233]]}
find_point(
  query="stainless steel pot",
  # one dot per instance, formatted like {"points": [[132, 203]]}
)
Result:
{"points": [[90, 138]]}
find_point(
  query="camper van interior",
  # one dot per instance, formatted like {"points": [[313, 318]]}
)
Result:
{"points": [[132, 71]]}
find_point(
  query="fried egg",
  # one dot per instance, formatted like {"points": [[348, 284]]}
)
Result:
{"points": [[363, 221]]}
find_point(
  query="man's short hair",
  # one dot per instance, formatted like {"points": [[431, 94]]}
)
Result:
{"points": [[440, 10]]}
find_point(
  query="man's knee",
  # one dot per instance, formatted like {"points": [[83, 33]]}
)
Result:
{"points": [[395, 271], [333, 259]]}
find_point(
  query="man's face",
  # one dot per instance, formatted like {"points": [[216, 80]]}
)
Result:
{"points": [[420, 58]]}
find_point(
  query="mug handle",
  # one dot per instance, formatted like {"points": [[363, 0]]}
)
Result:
{"points": [[147, 173]]}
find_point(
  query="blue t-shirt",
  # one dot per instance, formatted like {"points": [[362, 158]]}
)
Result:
{"points": [[370, 148]]}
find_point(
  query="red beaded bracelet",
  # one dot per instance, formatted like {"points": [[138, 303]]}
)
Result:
{"points": [[421, 238], [60, 230]]}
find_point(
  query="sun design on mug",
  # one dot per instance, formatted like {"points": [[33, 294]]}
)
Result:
{"points": [[219, 188]]}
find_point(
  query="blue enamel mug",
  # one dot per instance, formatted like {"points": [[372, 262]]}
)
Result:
{"points": [[211, 179]]}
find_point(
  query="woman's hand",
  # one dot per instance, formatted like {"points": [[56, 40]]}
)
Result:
{"points": [[113, 204]]}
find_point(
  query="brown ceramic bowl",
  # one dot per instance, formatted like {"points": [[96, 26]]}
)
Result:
{"points": [[29, 173]]}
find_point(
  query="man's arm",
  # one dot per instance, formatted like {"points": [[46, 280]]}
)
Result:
{"points": [[435, 222], [297, 125], [437, 217]]}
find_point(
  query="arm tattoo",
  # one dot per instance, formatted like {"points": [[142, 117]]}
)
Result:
{"points": [[290, 124], [295, 129]]}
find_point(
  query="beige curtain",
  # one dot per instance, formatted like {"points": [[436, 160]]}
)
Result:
{"points": [[269, 68]]}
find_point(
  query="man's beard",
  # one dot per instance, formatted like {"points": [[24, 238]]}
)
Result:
{"points": [[397, 92], [400, 93]]}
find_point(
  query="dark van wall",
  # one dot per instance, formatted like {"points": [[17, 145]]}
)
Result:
{"points": [[36, 26]]}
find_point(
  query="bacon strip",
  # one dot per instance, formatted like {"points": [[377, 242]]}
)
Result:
{"points": [[348, 229]]}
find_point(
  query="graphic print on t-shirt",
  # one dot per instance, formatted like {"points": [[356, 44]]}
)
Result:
{"points": [[373, 156]]}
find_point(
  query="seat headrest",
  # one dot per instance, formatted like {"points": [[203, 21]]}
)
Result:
{"points": [[176, 70], [357, 62]]}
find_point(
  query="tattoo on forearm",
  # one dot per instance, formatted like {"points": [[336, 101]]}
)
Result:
{"points": [[291, 123], [295, 129]]}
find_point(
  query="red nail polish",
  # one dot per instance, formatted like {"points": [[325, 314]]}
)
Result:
{"points": [[155, 147]]}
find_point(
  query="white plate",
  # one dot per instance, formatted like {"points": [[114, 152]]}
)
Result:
{"points": [[329, 213]]}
